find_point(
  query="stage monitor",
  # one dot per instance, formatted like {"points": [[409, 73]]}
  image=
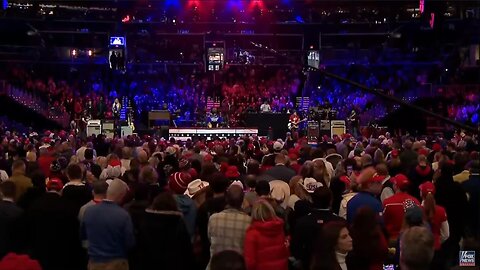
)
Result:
{"points": [[313, 59]]}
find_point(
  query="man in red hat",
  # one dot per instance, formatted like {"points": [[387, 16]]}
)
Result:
{"points": [[396, 205], [370, 187]]}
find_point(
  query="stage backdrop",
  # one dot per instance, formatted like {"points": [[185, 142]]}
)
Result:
{"points": [[276, 122]]}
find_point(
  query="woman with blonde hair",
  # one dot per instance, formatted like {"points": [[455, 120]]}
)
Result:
{"points": [[265, 246]]}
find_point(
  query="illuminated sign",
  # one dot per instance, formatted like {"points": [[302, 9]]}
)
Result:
{"points": [[117, 41]]}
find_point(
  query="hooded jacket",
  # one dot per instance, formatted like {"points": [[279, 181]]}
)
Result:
{"points": [[264, 246], [189, 210]]}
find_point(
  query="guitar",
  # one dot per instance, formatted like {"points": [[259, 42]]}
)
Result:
{"points": [[294, 124]]}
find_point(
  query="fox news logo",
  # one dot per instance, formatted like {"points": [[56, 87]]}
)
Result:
{"points": [[467, 258]]}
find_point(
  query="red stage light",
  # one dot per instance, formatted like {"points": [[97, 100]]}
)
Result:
{"points": [[256, 4], [126, 19]]}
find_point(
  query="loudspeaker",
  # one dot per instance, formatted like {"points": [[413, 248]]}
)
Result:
{"points": [[108, 128], [94, 127], [126, 131], [313, 132], [325, 125], [338, 127]]}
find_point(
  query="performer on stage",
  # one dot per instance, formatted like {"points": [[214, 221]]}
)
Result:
{"points": [[82, 127], [294, 123], [214, 119], [265, 107], [116, 108], [354, 123], [100, 108]]}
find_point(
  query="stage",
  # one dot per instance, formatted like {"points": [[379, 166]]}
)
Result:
{"points": [[209, 133]]}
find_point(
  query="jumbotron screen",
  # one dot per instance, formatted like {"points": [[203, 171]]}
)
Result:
{"points": [[215, 58], [313, 59]]}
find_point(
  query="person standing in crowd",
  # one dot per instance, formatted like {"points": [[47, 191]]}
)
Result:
{"points": [[419, 174], [370, 248], [280, 171], [178, 184], [453, 198], [370, 186], [164, 241], [437, 219], [45, 160], [33, 193], [216, 204], [22, 182], [265, 243], [396, 205], [52, 230], [307, 227], [387, 185], [472, 188], [109, 231], [226, 230], [75, 190], [409, 156], [99, 193], [334, 244], [416, 249], [10, 215]]}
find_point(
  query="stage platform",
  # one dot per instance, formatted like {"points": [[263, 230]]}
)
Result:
{"points": [[209, 133]]}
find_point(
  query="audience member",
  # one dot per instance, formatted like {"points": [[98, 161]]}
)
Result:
{"points": [[265, 241], [10, 215], [51, 210], [370, 186], [22, 182], [396, 206], [307, 227], [280, 171], [109, 231], [164, 241], [370, 248], [332, 248], [437, 219], [75, 190], [226, 230], [416, 249], [99, 193], [472, 188]]}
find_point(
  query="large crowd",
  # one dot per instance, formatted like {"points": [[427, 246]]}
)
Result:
{"points": [[244, 89], [238, 203]]}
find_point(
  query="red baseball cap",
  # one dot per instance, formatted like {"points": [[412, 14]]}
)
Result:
{"points": [[377, 178], [232, 172], [437, 147], [423, 151], [54, 184], [427, 187], [401, 181]]}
